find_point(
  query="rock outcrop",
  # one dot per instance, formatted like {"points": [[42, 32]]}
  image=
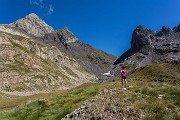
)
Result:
{"points": [[148, 47], [33, 24], [63, 36]]}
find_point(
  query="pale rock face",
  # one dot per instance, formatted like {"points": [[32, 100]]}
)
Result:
{"points": [[8, 29], [34, 25]]}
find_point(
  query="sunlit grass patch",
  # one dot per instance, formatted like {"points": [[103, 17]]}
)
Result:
{"points": [[157, 100], [52, 105]]}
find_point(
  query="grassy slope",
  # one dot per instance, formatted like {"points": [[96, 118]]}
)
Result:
{"points": [[48, 106], [144, 97], [152, 81], [159, 72], [31, 64]]}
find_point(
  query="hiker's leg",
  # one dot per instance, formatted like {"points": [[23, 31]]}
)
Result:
{"points": [[122, 83], [125, 82]]}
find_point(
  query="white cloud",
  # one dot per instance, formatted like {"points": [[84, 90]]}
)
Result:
{"points": [[51, 9], [40, 4], [34, 2]]}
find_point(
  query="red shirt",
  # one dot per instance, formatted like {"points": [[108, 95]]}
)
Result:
{"points": [[123, 72]]}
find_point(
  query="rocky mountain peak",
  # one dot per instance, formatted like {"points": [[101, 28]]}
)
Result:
{"points": [[164, 31], [33, 24], [32, 15], [148, 46], [176, 28], [141, 37], [67, 35]]}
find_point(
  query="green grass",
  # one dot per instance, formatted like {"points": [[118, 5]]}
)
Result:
{"points": [[56, 105], [72, 60], [143, 97], [17, 66], [19, 46], [139, 58], [52, 106], [158, 72], [70, 72]]}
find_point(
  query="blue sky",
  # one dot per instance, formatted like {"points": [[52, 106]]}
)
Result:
{"points": [[104, 24]]}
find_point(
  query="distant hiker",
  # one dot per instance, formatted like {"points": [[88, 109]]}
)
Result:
{"points": [[123, 74]]}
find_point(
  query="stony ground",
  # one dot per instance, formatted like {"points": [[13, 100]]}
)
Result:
{"points": [[108, 105]]}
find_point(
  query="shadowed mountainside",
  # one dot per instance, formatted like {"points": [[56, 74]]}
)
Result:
{"points": [[148, 47]]}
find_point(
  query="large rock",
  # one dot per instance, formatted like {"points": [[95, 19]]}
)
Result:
{"points": [[33, 24]]}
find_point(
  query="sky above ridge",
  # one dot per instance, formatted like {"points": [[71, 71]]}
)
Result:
{"points": [[104, 24]]}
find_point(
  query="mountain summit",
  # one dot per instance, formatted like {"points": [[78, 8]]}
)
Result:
{"points": [[33, 24]]}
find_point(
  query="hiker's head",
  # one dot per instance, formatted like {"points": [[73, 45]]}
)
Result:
{"points": [[123, 67]]}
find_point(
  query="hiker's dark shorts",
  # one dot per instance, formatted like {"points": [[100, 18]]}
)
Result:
{"points": [[123, 77]]}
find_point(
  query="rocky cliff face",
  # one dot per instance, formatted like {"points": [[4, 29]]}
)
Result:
{"points": [[34, 25], [148, 46], [63, 36]]}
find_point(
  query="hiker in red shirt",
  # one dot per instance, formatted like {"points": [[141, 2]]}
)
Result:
{"points": [[123, 74]]}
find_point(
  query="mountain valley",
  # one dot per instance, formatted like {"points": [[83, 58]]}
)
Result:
{"points": [[48, 74]]}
